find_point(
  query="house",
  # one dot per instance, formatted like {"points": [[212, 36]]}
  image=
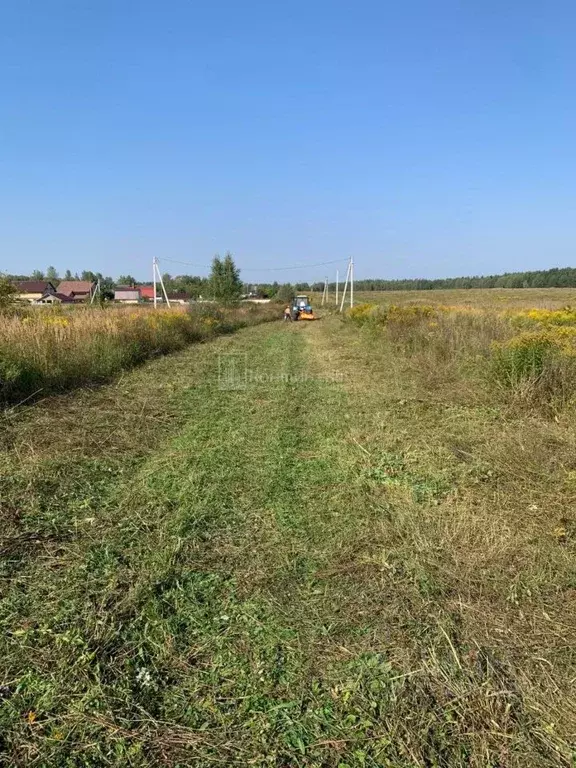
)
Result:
{"points": [[78, 290], [54, 298], [127, 294], [147, 292], [32, 290]]}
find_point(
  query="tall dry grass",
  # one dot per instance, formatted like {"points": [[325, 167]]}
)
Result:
{"points": [[50, 349], [526, 355], [482, 298]]}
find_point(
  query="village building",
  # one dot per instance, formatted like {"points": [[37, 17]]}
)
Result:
{"points": [[77, 290], [33, 290], [127, 294], [54, 298], [147, 292]]}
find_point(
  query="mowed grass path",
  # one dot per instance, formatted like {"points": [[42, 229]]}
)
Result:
{"points": [[304, 572]]}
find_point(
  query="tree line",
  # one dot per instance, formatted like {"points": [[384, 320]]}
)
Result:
{"points": [[224, 282], [558, 277]]}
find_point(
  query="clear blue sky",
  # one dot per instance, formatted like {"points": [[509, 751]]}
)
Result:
{"points": [[426, 137]]}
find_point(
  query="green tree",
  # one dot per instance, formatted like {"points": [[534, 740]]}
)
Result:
{"points": [[107, 283], [7, 293], [225, 283], [52, 274], [169, 282], [192, 285], [217, 277], [68, 275], [126, 280], [285, 293], [37, 275]]}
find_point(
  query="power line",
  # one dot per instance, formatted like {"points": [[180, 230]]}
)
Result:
{"points": [[258, 269]]}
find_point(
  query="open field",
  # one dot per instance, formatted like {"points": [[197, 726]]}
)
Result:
{"points": [[496, 298], [363, 555]]}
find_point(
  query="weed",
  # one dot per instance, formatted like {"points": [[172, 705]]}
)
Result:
{"points": [[50, 350]]}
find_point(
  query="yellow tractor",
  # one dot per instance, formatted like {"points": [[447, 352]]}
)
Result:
{"points": [[301, 309]]}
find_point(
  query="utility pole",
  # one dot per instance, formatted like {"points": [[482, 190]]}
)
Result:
{"points": [[345, 288], [349, 279], [156, 274], [96, 290], [154, 278], [351, 282], [337, 276]]}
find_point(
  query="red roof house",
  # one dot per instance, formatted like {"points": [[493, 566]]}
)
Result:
{"points": [[77, 289], [147, 291]]}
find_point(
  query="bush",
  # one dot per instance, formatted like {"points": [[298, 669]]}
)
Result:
{"points": [[544, 318], [408, 315], [7, 294], [411, 314], [537, 365], [362, 313]]}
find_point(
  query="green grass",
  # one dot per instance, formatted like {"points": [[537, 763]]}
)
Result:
{"points": [[306, 572]]}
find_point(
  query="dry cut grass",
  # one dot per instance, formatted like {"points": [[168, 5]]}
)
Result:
{"points": [[468, 560], [355, 572]]}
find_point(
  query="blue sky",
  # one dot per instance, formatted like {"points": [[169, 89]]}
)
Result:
{"points": [[425, 138]]}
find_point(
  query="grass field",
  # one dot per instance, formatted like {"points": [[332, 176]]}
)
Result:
{"points": [[495, 298], [363, 555], [49, 349]]}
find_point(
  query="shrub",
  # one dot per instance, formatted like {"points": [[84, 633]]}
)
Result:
{"points": [[544, 318], [522, 357], [410, 314], [388, 315], [362, 313], [7, 294], [537, 365]]}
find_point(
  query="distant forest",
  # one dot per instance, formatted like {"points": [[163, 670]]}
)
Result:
{"points": [[559, 277]]}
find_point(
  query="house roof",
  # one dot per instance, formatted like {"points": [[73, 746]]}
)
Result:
{"points": [[75, 286], [146, 291], [34, 286], [126, 288], [62, 296]]}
